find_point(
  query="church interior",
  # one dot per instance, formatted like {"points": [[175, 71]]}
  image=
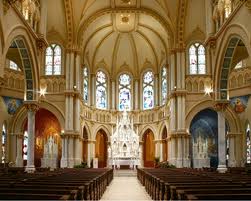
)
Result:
{"points": [[101, 95]]}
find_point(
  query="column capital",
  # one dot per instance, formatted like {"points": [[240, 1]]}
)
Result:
{"points": [[178, 92], [177, 49], [70, 134], [31, 105], [73, 50], [221, 105], [41, 42]]}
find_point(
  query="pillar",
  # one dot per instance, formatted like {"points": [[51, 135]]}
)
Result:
{"points": [[78, 150], [232, 150], [32, 108], [63, 162], [43, 17], [19, 156], [209, 18], [220, 107], [136, 94], [89, 156], [156, 90], [179, 161], [71, 151], [113, 94], [161, 151]]}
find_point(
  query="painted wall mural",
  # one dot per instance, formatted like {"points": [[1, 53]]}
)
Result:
{"points": [[12, 104], [239, 104], [203, 148]]}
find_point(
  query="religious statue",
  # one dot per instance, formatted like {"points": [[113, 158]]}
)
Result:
{"points": [[50, 153]]}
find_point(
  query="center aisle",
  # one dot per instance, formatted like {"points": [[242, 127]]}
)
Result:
{"points": [[125, 188]]}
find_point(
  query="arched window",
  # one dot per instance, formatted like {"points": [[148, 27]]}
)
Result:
{"points": [[53, 60], [85, 84], [4, 133], [228, 8], [101, 90], [25, 145], [124, 92], [248, 139], [148, 90], [14, 66], [164, 84], [197, 59]]}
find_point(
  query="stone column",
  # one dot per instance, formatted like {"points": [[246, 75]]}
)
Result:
{"points": [[19, 157], [232, 151], [209, 18], [43, 18], [63, 162], [169, 152], [31, 108], [157, 146], [113, 94], [156, 90], [136, 94], [161, 151], [89, 155], [173, 156], [93, 86], [71, 151], [179, 161], [220, 107], [78, 150]]}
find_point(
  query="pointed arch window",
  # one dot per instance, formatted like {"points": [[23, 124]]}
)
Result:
{"points": [[148, 90], [4, 136], [101, 90], [164, 85], [124, 92], [197, 59], [248, 141], [53, 60], [85, 84]]}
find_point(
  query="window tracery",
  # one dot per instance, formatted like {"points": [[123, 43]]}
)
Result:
{"points": [[53, 60], [85, 84], [101, 90], [164, 84], [124, 92], [148, 90], [197, 59]]}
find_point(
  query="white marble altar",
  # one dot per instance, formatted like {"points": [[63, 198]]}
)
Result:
{"points": [[200, 153], [124, 149]]}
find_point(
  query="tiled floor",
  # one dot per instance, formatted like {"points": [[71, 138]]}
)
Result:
{"points": [[125, 188]]}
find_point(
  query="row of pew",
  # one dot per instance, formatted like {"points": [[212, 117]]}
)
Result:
{"points": [[62, 184], [193, 184]]}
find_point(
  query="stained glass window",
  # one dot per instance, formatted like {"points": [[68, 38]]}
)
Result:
{"points": [[164, 84], [124, 92], [25, 145], [4, 133], [14, 66], [148, 90], [85, 84], [248, 144], [197, 59], [53, 59], [101, 90]]}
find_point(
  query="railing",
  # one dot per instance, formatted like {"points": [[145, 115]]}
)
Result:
{"points": [[106, 116], [53, 84], [198, 83], [239, 78]]}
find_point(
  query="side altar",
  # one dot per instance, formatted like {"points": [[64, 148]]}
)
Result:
{"points": [[124, 149]]}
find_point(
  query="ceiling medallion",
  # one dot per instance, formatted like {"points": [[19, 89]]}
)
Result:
{"points": [[125, 19], [126, 1]]}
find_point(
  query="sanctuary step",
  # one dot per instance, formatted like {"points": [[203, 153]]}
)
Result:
{"points": [[125, 173]]}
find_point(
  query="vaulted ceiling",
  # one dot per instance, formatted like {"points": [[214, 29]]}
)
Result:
{"points": [[119, 35]]}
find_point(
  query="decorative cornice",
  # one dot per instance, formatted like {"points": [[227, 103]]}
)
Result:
{"points": [[72, 93], [178, 92], [70, 134], [221, 105], [31, 106], [41, 43]]}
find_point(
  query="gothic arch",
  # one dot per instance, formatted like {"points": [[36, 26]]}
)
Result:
{"points": [[145, 129], [231, 117], [86, 126], [105, 129], [161, 129], [20, 36], [231, 37]]}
